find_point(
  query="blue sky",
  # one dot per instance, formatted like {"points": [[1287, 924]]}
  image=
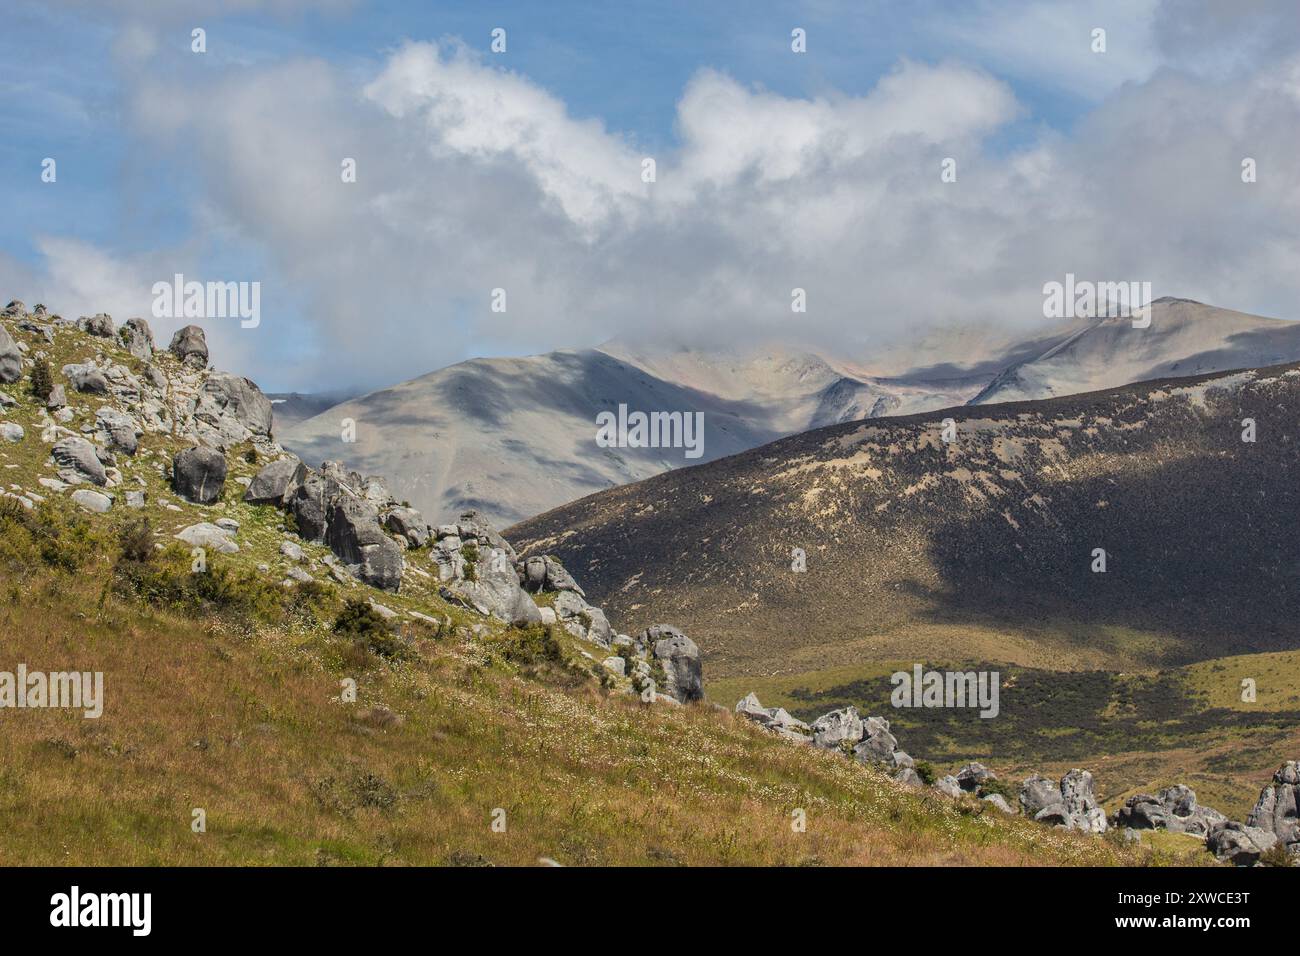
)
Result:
{"points": [[171, 161]]}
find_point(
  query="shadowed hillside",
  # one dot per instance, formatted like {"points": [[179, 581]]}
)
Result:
{"points": [[981, 548]]}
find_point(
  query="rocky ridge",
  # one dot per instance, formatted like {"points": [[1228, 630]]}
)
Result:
{"points": [[97, 414]]}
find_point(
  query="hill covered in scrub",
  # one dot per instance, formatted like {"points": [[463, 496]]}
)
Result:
{"points": [[985, 547], [298, 669]]}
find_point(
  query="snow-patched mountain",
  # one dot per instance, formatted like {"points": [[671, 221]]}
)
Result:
{"points": [[1184, 338]]}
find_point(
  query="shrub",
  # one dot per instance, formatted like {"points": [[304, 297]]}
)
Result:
{"points": [[925, 770], [42, 379], [367, 628], [136, 540]]}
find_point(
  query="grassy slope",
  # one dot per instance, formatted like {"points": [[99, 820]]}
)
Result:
{"points": [[228, 701]]}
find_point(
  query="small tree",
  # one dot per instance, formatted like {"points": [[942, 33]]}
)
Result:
{"points": [[42, 380]]}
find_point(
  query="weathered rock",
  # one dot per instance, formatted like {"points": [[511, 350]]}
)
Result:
{"points": [[135, 499], [77, 457], [353, 533], [86, 378], [93, 501], [680, 657], [473, 525], [16, 309], [270, 485], [58, 398], [615, 665], [410, 524], [11, 358], [12, 431], [908, 777], [1039, 792], [1238, 843], [1080, 800], [100, 325], [1275, 811], [974, 775], [838, 728], [199, 474], [190, 346], [1173, 808], [291, 551], [948, 784], [775, 719], [998, 801], [209, 536], [878, 744], [138, 338], [230, 409], [117, 429]]}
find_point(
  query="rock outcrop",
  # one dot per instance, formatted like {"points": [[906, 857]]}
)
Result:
{"points": [[680, 659], [1275, 811], [190, 346], [1173, 808]]}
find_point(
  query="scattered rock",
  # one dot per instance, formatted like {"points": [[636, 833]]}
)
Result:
{"points": [[1238, 843], [291, 551], [207, 535], [948, 784], [93, 501], [230, 409], [1275, 811], [1080, 800], [12, 431], [11, 358], [100, 325], [58, 398], [199, 474], [76, 458], [410, 524], [836, 728], [1173, 808], [353, 533], [86, 378], [998, 801], [974, 775], [117, 429], [138, 338], [135, 499]]}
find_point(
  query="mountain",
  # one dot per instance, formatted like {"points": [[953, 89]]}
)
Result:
{"points": [[513, 437], [1184, 338], [978, 549], [289, 408]]}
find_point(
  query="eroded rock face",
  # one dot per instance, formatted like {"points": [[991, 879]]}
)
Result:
{"points": [[974, 775], [775, 719], [496, 590], [190, 346], [100, 325], [77, 461], [138, 338], [1238, 843], [353, 533], [117, 429], [837, 728], [11, 358], [1173, 808], [270, 485], [680, 657], [878, 745], [230, 409], [199, 474], [1275, 811], [1080, 800], [1037, 793], [409, 524]]}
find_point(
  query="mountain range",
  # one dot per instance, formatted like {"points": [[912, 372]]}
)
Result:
{"points": [[514, 437]]}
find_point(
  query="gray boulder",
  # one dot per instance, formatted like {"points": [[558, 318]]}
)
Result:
{"points": [[998, 801], [190, 346], [838, 728], [1038, 793], [138, 338], [353, 533], [680, 657], [209, 536], [100, 325], [1173, 808], [199, 474], [233, 409], [77, 457], [496, 591], [86, 378], [16, 309], [878, 744], [94, 501], [118, 429], [473, 525], [1238, 843], [58, 398], [410, 524], [1275, 811], [775, 719], [947, 784], [974, 775], [1080, 800], [270, 485], [11, 358]]}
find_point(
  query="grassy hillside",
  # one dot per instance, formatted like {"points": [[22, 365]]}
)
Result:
{"points": [[223, 693]]}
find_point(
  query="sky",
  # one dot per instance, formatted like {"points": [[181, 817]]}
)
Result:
{"points": [[523, 170]]}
